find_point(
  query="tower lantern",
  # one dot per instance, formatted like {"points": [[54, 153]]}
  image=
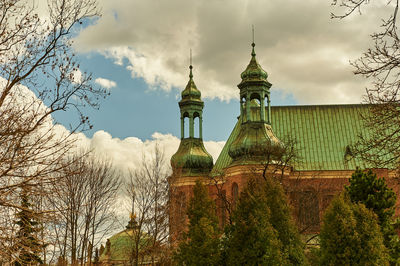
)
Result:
{"points": [[191, 159], [256, 139]]}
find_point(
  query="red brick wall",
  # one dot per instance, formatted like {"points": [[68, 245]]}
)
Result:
{"points": [[309, 194]]}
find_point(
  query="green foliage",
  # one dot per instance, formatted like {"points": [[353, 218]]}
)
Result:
{"points": [[313, 255], [28, 245], [201, 245], [374, 193], [281, 220], [262, 232], [350, 235], [96, 256]]}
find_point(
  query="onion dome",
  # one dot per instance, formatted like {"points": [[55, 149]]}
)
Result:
{"points": [[192, 158], [256, 141], [254, 72], [191, 93], [120, 247]]}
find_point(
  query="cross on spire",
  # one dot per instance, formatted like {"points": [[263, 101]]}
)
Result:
{"points": [[253, 53], [190, 67], [252, 28]]}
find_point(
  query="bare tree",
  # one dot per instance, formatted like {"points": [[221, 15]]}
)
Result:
{"points": [[379, 145], [276, 162], [148, 190], [36, 53], [85, 201]]}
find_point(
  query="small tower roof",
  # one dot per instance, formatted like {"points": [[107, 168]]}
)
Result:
{"points": [[254, 71], [191, 93], [192, 158], [256, 138]]}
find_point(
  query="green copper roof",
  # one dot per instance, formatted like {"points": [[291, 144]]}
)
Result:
{"points": [[191, 93], [192, 157], [323, 133], [253, 72], [121, 248], [255, 139]]}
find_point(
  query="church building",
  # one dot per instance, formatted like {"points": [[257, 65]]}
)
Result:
{"points": [[308, 147]]}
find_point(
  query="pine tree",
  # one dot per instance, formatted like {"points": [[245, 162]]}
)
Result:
{"points": [[101, 251], [201, 244], [350, 235], [96, 257], [28, 246], [251, 239], [374, 193], [365, 187], [281, 220]]}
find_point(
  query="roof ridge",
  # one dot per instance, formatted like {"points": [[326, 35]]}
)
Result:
{"points": [[323, 105]]}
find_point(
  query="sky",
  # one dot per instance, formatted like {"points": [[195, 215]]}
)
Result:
{"points": [[139, 51]]}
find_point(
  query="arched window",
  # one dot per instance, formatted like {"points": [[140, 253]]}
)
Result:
{"points": [[266, 108], [235, 194], [255, 102], [196, 121], [308, 210], [178, 212], [220, 208], [181, 206], [186, 125], [243, 109]]}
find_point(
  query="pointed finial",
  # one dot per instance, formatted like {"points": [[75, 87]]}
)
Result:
{"points": [[252, 28], [191, 67], [253, 53]]}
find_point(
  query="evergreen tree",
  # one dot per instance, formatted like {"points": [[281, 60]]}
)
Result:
{"points": [[101, 251], [201, 244], [374, 193], [251, 239], [28, 246], [96, 257], [350, 235], [281, 220]]}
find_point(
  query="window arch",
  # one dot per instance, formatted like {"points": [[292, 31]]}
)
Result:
{"points": [[267, 108], [186, 125], [220, 208], [255, 96], [308, 209], [235, 194], [196, 123], [255, 113], [178, 211], [243, 108]]}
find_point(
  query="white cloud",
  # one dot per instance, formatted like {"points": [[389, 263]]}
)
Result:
{"points": [[304, 51], [106, 83], [127, 154], [76, 76]]}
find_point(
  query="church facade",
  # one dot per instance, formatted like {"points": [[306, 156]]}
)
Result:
{"points": [[307, 147]]}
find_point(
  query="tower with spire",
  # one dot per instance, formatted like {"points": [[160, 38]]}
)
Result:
{"points": [[191, 159], [256, 139], [253, 150]]}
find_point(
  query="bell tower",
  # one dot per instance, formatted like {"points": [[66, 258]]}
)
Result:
{"points": [[191, 162], [191, 159], [256, 138]]}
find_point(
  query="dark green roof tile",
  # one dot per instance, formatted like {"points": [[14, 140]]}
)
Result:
{"points": [[321, 131]]}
